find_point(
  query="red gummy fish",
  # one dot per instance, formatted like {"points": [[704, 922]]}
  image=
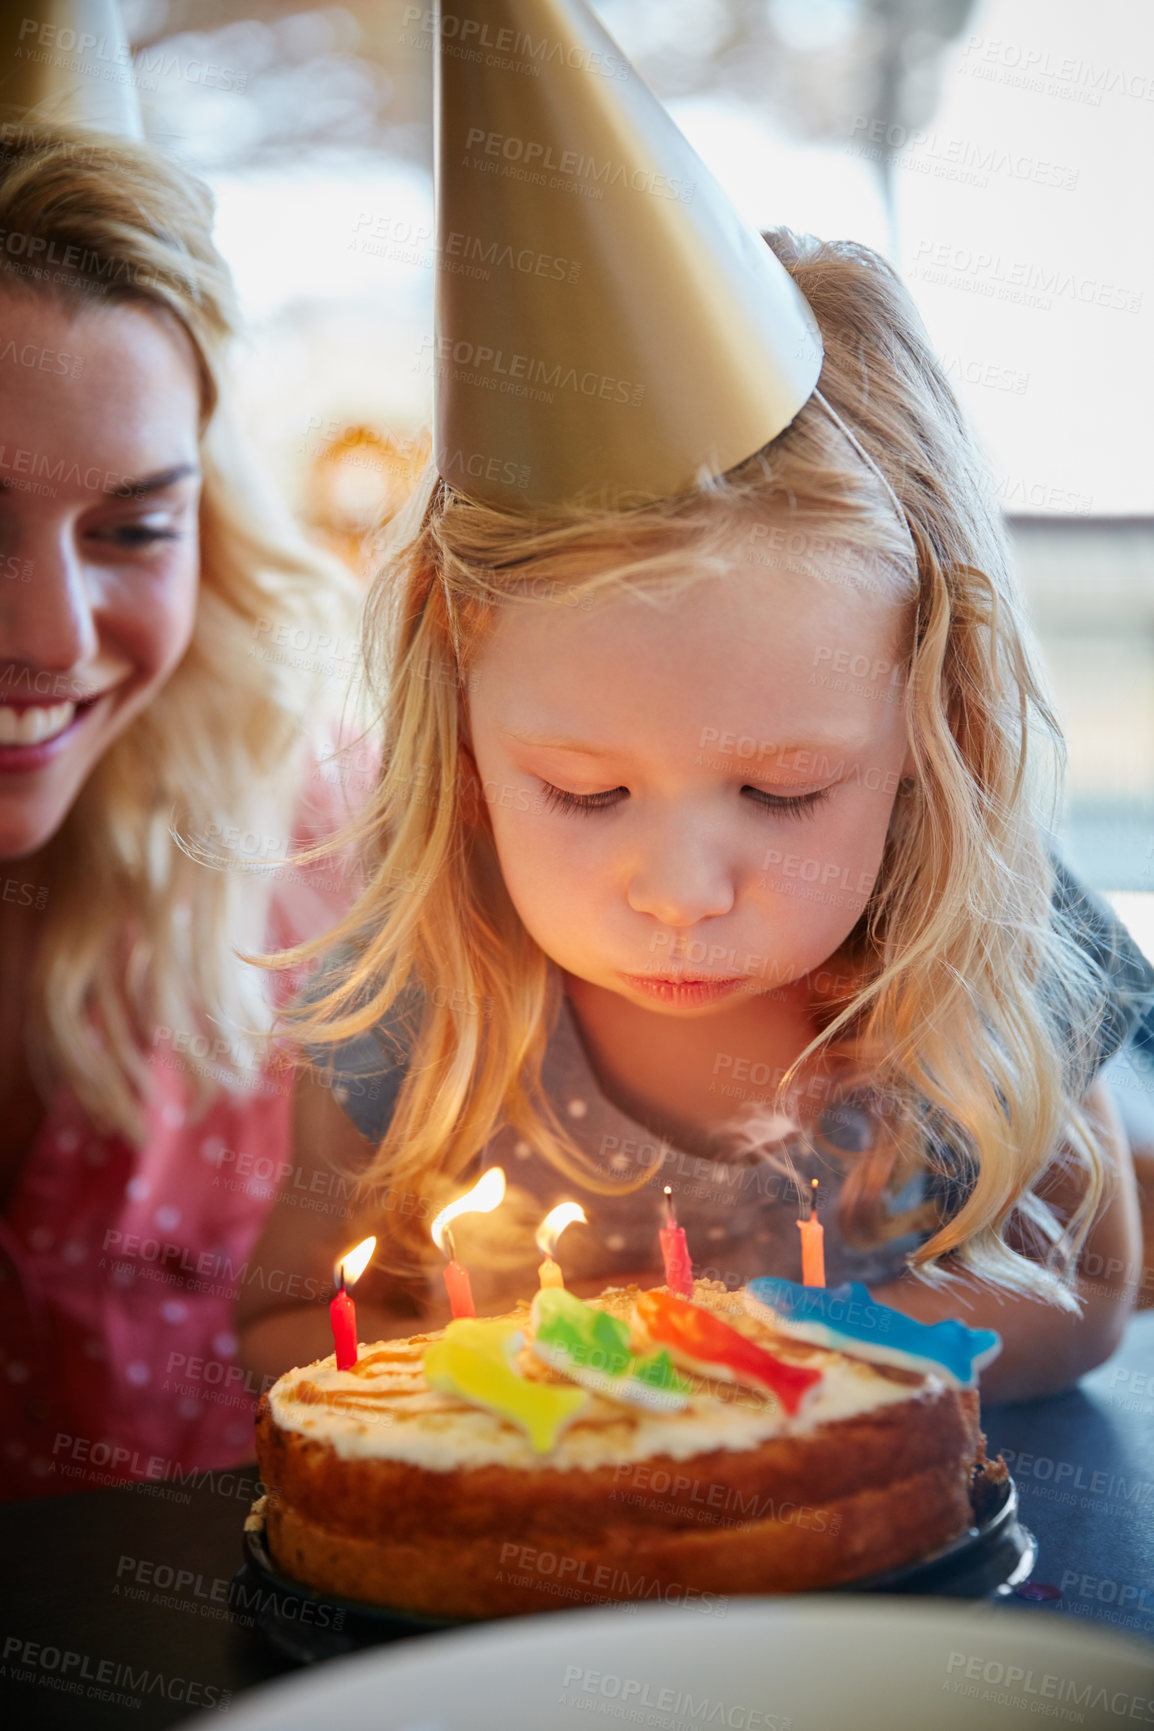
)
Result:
{"points": [[698, 1339]]}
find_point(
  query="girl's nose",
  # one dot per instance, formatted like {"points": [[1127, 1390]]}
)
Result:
{"points": [[681, 880], [47, 622]]}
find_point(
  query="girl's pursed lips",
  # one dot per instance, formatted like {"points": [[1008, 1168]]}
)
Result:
{"points": [[688, 979]]}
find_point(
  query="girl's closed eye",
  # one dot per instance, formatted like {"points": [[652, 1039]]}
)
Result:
{"points": [[780, 805], [791, 804], [558, 799]]}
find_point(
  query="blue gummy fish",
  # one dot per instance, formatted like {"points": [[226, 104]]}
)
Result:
{"points": [[848, 1320]]}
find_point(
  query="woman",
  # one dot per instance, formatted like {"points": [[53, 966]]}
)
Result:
{"points": [[147, 589]]}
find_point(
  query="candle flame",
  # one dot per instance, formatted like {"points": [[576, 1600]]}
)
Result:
{"points": [[565, 1214], [481, 1199], [354, 1262]]}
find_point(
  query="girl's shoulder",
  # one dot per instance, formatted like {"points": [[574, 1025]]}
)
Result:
{"points": [[365, 1073], [1128, 976]]}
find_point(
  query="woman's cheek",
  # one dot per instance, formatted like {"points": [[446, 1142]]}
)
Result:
{"points": [[166, 626]]}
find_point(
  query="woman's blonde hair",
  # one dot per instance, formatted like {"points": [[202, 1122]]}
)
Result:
{"points": [[976, 1006], [138, 939]]}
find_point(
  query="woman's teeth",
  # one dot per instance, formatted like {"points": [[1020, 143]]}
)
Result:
{"points": [[34, 725]]}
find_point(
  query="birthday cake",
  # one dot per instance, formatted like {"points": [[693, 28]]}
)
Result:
{"points": [[639, 1447]]}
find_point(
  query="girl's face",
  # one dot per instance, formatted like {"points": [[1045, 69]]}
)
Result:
{"points": [[99, 486], [697, 791]]}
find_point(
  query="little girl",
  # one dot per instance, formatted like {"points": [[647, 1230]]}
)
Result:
{"points": [[711, 851]]}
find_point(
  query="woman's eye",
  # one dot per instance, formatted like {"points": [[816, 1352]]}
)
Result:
{"points": [[139, 532], [557, 799], [791, 805]]}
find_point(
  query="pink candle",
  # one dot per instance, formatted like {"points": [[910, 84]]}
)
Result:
{"points": [[458, 1288], [675, 1252], [812, 1245], [481, 1199], [343, 1313]]}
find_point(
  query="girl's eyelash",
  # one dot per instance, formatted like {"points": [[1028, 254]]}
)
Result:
{"points": [[557, 799], [782, 805], [794, 804]]}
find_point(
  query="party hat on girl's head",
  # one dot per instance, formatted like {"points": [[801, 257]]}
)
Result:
{"points": [[608, 328], [67, 62]]}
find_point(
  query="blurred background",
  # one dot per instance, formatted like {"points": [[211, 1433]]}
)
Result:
{"points": [[997, 151]]}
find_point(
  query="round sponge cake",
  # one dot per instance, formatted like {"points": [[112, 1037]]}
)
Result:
{"points": [[382, 1488]]}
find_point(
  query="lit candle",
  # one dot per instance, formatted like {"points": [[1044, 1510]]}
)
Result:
{"points": [[675, 1252], [342, 1312], [565, 1214], [481, 1199], [812, 1245]]}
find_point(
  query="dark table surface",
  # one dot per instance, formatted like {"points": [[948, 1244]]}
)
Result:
{"points": [[113, 1603]]}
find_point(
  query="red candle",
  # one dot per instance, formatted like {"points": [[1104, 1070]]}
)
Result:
{"points": [[812, 1245], [675, 1252], [342, 1312]]}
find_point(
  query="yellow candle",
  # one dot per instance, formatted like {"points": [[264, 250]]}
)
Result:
{"points": [[549, 1232], [812, 1245]]}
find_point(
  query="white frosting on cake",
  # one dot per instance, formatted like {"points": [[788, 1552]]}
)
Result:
{"points": [[383, 1409]]}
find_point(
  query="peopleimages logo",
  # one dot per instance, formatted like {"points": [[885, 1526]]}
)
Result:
{"points": [[637, 1692], [523, 373], [102, 1679], [43, 34], [532, 154], [112, 60], [479, 41], [964, 1670]]}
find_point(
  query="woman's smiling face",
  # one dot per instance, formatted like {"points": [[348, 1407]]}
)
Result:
{"points": [[99, 561], [698, 790]]}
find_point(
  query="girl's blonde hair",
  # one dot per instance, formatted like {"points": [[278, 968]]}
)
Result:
{"points": [[137, 939], [976, 1007]]}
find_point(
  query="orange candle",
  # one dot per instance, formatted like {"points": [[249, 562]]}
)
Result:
{"points": [[812, 1245]]}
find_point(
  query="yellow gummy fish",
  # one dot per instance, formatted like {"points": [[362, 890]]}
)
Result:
{"points": [[475, 1362]]}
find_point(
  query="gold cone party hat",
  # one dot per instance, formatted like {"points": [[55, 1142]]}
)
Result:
{"points": [[608, 329], [67, 62]]}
